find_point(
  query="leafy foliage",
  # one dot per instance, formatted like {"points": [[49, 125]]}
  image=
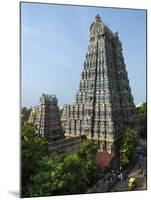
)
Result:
{"points": [[33, 148], [25, 112], [128, 145], [63, 174], [142, 113]]}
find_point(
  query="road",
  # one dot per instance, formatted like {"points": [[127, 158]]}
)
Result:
{"points": [[140, 182]]}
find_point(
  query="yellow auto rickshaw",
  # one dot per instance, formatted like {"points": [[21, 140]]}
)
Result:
{"points": [[131, 183]]}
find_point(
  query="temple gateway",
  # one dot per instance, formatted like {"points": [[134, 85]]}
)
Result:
{"points": [[104, 105]]}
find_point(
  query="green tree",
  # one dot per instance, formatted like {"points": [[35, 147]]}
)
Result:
{"points": [[44, 181], [66, 174], [88, 149], [142, 114], [128, 145], [33, 148], [25, 112], [87, 153]]}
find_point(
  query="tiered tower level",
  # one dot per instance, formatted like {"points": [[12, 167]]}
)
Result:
{"points": [[104, 105]]}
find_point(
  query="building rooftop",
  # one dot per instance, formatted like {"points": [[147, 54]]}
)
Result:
{"points": [[103, 159]]}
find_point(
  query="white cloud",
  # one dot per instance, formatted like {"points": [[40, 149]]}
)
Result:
{"points": [[30, 31]]}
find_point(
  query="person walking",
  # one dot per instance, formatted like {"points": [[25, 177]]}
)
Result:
{"points": [[121, 176]]}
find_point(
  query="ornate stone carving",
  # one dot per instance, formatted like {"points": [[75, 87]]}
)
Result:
{"points": [[104, 100]]}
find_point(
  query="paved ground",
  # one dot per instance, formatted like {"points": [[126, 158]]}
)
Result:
{"points": [[140, 182]]}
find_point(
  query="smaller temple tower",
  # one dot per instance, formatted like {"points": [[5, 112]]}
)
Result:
{"points": [[47, 118]]}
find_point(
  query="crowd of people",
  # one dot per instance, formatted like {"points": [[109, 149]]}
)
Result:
{"points": [[115, 175]]}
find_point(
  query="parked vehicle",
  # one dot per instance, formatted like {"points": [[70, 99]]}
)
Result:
{"points": [[131, 183]]}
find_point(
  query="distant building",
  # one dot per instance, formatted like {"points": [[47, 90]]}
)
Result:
{"points": [[104, 105]]}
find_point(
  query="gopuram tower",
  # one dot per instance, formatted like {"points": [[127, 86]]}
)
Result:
{"points": [[104, 105], [48, 118]]}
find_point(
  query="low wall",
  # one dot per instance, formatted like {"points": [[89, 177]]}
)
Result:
{"points": [[65, 145]]}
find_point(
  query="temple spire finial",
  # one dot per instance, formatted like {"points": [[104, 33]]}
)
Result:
{"points": [[97, 18]]}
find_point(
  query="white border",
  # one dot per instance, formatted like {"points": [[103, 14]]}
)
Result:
{"points": [[9, 99]]}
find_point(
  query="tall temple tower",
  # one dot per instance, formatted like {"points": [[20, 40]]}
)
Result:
{"points": [[104, 105]]}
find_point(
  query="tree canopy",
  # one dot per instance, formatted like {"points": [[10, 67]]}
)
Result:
{"points": [[33, 148], [142, 114], [45, 174], [128, 145], [25, 112]]}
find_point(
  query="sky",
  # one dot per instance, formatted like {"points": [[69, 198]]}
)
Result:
{"points": [[54, 41]]}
